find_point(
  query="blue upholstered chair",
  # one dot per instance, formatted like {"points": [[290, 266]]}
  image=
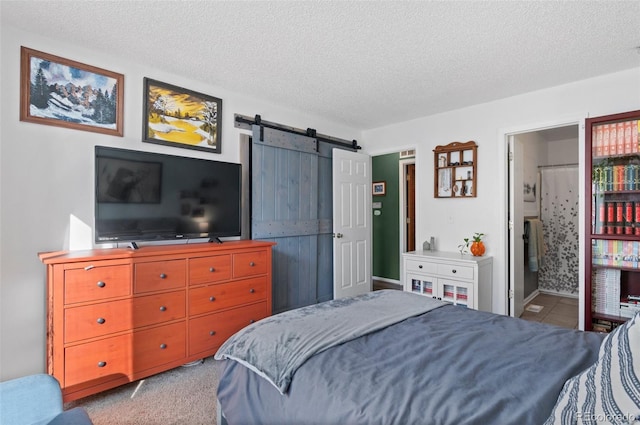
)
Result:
{"points": [[36, 400]]}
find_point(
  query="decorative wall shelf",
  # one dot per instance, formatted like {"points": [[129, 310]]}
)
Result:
{"points": [[455, 168]]}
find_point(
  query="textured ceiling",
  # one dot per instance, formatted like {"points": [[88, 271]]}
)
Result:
{"points": [[360, 63]]}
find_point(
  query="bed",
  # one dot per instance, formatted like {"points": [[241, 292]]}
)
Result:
{"points": [[391, 357]]}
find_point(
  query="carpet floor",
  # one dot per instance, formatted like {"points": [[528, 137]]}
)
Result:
{"points": [[182, 396]]}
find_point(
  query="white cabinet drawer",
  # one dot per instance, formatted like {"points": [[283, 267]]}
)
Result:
{"points": [[421, 267], [455, 271]]}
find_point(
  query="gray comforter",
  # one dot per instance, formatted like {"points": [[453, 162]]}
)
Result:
{"points": [[277, 346], [448, 366]]}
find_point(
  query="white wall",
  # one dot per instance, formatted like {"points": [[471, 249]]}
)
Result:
{"points": [[451, 220], [46, 175], [560, 152], [531, 160]]}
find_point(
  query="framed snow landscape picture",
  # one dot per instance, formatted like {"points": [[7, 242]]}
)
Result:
{"points": [[179, 117], [64, 93]]}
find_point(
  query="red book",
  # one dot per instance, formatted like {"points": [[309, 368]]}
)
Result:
{"points": [[619, 217], [598, 140], [620, 138], [636, 220], [613, 139], [611, 218], [627, 136], [628, 218]]}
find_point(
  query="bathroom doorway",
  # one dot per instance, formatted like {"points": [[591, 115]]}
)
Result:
{"points": [[544, 225]]}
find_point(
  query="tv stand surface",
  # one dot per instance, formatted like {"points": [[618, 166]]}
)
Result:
{"points": [[119, 315]]}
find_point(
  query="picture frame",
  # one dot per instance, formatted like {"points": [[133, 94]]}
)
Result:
{"points": [[379, 188], [65, 93], [175, 116]]}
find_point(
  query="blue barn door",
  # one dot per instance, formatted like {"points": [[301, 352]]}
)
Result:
{"points": [[291, 204]]}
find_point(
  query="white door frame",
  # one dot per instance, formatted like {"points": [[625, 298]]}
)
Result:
{"points": [[516, 214], [503, 142]]}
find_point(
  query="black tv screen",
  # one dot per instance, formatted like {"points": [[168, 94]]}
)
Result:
{"points": [[145, 196]]}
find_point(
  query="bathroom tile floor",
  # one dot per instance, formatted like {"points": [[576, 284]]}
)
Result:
{"points": [[556, 310]]}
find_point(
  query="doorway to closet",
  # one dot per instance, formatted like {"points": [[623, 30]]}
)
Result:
{"points": [[544, 205]]}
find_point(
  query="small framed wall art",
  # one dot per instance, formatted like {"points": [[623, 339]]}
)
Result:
{"points": [[379, 188], [176, 116], [65, 93]]}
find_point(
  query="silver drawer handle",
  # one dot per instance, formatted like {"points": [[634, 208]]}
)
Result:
{"points": [[163, 276], [252, 264], [163, 308], [252, 290], [211, 269], [212, 333], [101, 284], [252, 321], [420, 266], [100, 320], [163, 346], [212, 299], [102, 364], [454, 271]]}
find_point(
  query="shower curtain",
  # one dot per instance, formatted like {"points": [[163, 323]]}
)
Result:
{"points": [[559, 213]]}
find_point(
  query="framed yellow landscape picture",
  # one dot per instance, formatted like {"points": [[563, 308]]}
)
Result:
{"points": [[176, 116]]}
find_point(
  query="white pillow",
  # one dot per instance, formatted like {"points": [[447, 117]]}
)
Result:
{"points": [[609, 390]]}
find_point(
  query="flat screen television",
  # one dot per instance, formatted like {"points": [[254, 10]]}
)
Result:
{"points": [[145, 196]]}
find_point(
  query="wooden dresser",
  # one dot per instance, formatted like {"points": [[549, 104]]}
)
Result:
{"points": [[119, 315]]}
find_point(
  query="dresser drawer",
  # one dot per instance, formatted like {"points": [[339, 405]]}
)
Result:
{"points": [[157, 346], [92, 283], [249, 264], [455, 271], [416, 266], [159, 275], [216, 268], [152, 309], [115, 316], [97, 320], [97, 362], [207, 333], [225, 295]]}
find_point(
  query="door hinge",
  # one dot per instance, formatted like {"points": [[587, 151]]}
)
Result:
{"points": [[510, 155], [510, 294], [510, 224]]}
